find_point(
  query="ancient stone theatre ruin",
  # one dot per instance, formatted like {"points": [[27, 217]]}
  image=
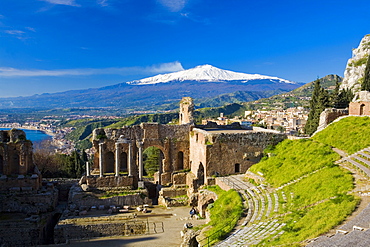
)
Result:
{"points": [[203, 151]]}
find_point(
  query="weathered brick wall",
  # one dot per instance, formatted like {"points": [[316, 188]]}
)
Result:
{"points": [[329, 115], [65, 232], [355, 108], [220, 152], [15, 153], [20, 184], [29, 203], [109, 181]]}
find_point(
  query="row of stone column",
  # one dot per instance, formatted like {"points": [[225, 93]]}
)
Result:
{"points": [[118, 159]]}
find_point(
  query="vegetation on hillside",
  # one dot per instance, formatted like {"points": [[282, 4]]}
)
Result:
{"points": [[318, 189], [322, 99], [350, 134], [365, 85], [305, 154], [225, 213], [83, 130], [56, 165], [296, 98]]}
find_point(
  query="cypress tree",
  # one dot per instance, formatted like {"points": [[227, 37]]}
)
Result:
{"points": [[365, 86], [335, 97], [319, 101]]}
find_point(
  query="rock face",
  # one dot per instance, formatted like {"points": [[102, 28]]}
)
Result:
{"points": [[355, 69]]}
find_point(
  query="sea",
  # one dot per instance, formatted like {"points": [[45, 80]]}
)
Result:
{"points": [[34, 135]]}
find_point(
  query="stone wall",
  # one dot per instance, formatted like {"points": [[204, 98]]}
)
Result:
{"points": [[329, 115], [108, 181], [70, 231], [88, 199], [29, 202], [228, 153], [20, 234], [16, 157], [20, 183]]}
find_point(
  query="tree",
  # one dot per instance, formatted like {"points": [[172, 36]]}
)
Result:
{"points": [[365, 86], [152, 159], [319, 101], [335, 99]]}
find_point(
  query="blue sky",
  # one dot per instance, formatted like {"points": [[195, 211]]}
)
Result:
{"points": [[58, 45]]}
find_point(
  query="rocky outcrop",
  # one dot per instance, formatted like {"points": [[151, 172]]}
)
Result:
{"points": [[355, 69]]}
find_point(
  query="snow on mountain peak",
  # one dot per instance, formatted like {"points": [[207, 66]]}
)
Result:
{"points": [[205, 73]]}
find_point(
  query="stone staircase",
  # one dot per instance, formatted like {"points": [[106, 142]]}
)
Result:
{"points": [[259, 222], [360, 159]]}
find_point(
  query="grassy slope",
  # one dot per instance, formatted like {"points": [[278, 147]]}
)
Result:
{"points": [[350, 134], [228, 207], [316, 202]]}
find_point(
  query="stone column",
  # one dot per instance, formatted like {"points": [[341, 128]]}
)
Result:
{"points": [[130, 158], [101, 159], [87, 169], [117, 160], [141, 166]]}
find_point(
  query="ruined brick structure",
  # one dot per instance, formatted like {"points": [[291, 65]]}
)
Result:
{"points": [[360, 106], [17, 170], [186, 111], [121, 150], [207, 151]]}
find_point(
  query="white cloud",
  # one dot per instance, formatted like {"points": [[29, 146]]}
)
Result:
{"points": [[31, 29], [173, 5], [103, 3], [17, 34], [14, 32], [159, 68], [63, 2]]}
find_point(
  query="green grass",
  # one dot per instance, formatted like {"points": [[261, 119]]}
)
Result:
{"points": [[312, 222], [317, 200], [324, 184], [292, 159], [225, 212], [350, 134], [110, 194]]}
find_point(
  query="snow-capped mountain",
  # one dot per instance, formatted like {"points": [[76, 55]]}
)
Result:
{"points": [[200, 82], [207, 73]]}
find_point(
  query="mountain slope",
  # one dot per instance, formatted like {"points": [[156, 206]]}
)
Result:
{"points": [[147, 94], [297, 97], [206, 73]]}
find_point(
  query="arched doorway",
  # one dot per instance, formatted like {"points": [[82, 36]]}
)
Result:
{"points": [[180, 160], [237, 168], [200, 174], [109, 162], [1, 165], [15, 164], [152, 159], [123, 159], [362, 106]]}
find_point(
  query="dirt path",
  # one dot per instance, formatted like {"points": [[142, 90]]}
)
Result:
{"points": [[173, 220]]}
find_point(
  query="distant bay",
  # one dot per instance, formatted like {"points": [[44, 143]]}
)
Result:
{"points": [[33, 135]]}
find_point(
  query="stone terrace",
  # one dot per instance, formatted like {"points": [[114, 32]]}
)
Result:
{"points": [[355, 232], [259, 222]]}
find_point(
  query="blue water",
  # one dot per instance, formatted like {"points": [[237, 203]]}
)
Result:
{"points": [[33, 135]]}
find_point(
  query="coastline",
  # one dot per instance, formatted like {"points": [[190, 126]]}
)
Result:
{"points": [[46, 132]]}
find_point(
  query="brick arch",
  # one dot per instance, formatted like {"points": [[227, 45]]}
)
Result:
{"points": [[362, 108]]}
